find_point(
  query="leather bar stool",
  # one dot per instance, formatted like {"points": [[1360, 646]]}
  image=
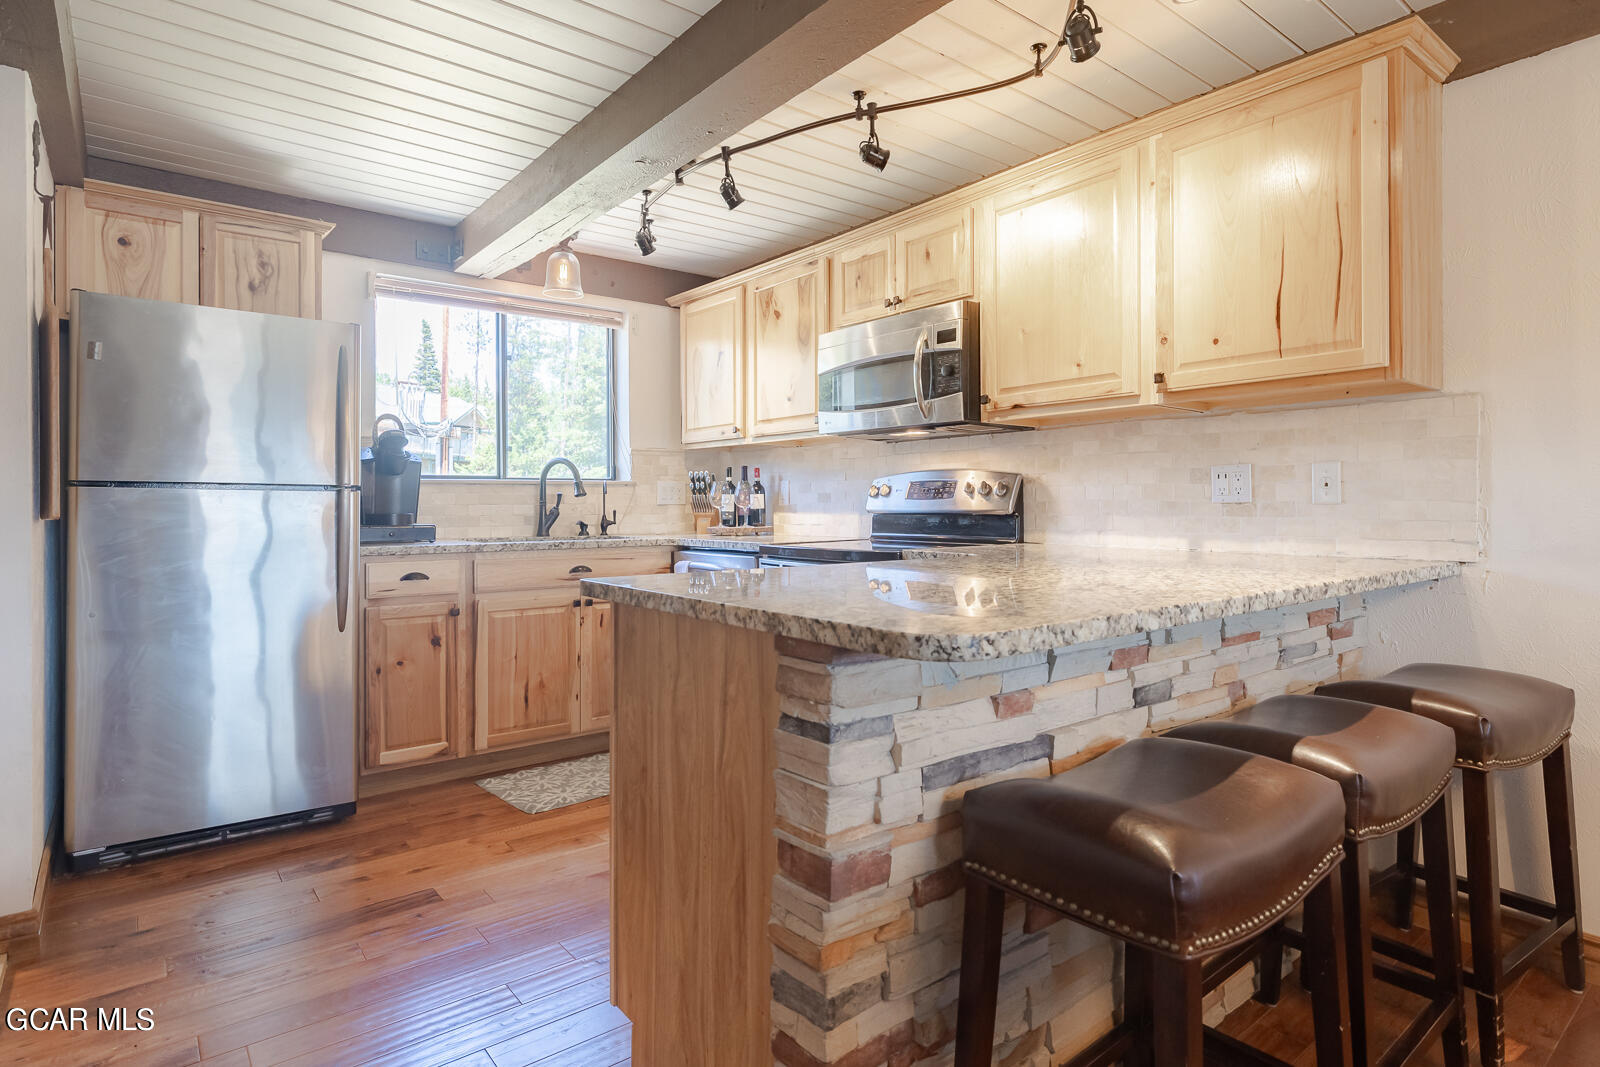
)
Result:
{"points": [[1394, 770], [1185, 852], [1501, 721]]}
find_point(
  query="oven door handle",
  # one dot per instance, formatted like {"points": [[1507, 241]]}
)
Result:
{"points": [[917, 389]]}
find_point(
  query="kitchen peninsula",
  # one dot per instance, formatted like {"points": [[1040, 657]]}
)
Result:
{"points": [[791, 748]]}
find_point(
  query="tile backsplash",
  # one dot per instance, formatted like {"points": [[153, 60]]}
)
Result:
{"points": [[1410, 473]]}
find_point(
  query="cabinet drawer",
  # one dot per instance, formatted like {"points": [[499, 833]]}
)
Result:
{"points": [[417, 576], [559, 573]]}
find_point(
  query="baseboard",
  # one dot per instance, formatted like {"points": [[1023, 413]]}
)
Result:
{"points": [[1591, 947], [391, 781], [19, 931]]}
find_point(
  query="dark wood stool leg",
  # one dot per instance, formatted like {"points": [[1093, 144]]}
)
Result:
{"points": [[1358, 942], [1269, 985], [1324, 967], [1405, 883], [981, 931], [1178, 1025], [1444, 923], [1564, 859], [1483, 888], [1136, 982]]}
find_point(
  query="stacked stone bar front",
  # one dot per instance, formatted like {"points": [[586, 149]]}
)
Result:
{"points": [[874, 756]]}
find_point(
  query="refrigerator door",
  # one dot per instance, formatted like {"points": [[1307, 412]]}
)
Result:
{"points": [[165, 392], [209, 679]]}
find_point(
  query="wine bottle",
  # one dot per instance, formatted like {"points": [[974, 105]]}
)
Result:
{"points": [[741, 498], [726, 506], [758, 501]]}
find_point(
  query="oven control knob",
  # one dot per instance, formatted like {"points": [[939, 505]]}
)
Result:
{"points": [[1002, 489], [985, 488], [873, 491], [885, 490], [967, 488]]}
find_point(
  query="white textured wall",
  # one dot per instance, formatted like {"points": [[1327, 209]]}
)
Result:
{"points": [[1522, 328], [648, 443], [25, 790]]}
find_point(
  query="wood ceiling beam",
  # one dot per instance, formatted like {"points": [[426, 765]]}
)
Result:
{"points": [[740, 61], [1491, 33], [36, 36]]}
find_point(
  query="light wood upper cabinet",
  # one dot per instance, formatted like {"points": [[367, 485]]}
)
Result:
{"points": [[526, 675], [249, 266], [787, 312], [134, 242], [411, 681], [863, 280], [925, 262], [1272, 235], [933, 260], [712, 331], [1060, 289], [127, 247], [596, 666]]}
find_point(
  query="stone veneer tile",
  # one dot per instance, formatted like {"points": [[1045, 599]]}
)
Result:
{"points": [[973, 764]]}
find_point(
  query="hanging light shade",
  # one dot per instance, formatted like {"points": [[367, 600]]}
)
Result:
{"points": [[563, 278]]}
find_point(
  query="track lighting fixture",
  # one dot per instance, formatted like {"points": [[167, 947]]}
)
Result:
{"points": [[873, 154], [730, 191], [644, 238], [1083, 27], [1080, 39], [563, 280]]}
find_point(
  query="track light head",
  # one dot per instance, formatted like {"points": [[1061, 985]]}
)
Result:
{"points": [[645, 239], [730, 191], [1081, 33], [873, 154]]}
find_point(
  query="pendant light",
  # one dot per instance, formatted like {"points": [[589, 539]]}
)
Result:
{"points": [[563, 278]]}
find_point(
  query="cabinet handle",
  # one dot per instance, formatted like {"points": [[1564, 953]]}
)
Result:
{"points": [[577, 603], [455, 612], [588, 602], [581, 569], [413, 576], [888, 302]]}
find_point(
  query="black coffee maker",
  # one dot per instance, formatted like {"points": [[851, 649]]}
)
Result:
{"points": [[391, 482]]}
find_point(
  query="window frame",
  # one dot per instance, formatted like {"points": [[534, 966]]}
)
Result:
{"points": [[502, 378]]}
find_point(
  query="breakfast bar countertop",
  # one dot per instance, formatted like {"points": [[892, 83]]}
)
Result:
{"points": [[1002, 601]]}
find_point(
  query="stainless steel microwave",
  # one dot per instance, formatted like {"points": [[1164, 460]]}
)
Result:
{"points": [[905, 376]]}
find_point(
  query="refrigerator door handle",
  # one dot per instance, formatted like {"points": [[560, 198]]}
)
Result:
{"points": [[344, 539], [343, 423]]}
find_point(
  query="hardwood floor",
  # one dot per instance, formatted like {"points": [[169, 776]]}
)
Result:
{"points": [[436, 926], [440, 926]]}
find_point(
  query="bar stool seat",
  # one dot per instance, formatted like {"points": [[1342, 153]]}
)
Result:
{"points": [[1390, 765], [1186, 853], [1500, 719], [1180, 846]]}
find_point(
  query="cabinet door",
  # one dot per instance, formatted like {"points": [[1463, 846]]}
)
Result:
{"points": [[526, 672], [787, 312], [1061, 287], [596, 666], [411, 681], [252, 267], [863, 281], [127, 247], [1272, 235], [713, 371], [933, 260]]}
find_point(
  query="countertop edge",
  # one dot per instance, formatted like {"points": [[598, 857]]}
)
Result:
{"points": [[1001, 643]]}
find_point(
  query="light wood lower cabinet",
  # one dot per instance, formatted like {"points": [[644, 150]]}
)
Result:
{"points": [[412, 681], [597, 660], [526, 671]]}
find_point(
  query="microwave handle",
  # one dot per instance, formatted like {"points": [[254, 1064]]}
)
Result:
{"points": [[917, 389]]}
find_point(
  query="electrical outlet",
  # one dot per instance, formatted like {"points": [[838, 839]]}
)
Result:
{"points": [[1230, 484], [669, 491], [1327, 483]]}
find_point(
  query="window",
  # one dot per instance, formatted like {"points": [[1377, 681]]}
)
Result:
{"points": [[495, 389]]}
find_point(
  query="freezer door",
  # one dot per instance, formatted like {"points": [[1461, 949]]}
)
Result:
{"points": [[208, 679], [165, 392]]}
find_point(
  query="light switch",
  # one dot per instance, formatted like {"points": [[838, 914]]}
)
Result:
{"points": [[1327, 483]]}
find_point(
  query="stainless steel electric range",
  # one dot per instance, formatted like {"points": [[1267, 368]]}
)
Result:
{"points": [[922, 509]]}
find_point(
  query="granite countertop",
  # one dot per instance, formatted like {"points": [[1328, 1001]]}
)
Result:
{"points": [[1004, 601]]}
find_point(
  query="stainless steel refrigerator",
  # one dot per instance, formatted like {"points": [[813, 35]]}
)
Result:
{"points": [[212, 525]]}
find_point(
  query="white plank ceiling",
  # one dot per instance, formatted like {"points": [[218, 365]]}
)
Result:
{"points": [[422, 109]]}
